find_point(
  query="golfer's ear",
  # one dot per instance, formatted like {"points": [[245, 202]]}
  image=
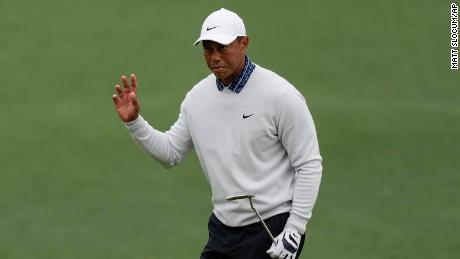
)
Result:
{"points": [[244, 43]]}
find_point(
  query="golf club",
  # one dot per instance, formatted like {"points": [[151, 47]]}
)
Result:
{"points": [[249, 196]]}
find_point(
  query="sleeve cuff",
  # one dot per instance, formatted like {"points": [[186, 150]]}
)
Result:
{"points": [[297, 222], [135, 124]]}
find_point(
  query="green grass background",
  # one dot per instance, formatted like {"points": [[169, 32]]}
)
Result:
{"points": [[375, 74]]}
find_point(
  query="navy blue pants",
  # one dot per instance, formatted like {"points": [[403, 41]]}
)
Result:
{"points": [[248, 242]]}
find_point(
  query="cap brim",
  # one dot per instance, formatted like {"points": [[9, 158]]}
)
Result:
{"points": [[219, 38]]}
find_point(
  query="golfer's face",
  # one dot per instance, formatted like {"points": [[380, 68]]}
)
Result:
{"points": [[225, 61]]}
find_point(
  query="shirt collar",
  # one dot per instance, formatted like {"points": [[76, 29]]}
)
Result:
{"points": [[240, 81]]}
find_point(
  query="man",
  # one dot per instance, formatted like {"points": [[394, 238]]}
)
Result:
{"points": [[253, 133]]}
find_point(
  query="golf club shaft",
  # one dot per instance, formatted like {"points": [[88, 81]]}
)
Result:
{"points": [[262, 221]]}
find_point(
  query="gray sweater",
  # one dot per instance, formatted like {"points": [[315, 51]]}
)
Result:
{"points": [[261, 141]]}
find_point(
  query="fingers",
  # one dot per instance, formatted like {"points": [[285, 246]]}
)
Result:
{"points": [[119, 91], [135, 102], [277, 249], [284, 255], [273, 251], [124, 79], [115, 99], [133, 83], [126, 88]]}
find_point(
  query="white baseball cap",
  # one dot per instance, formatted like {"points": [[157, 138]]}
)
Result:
{"points": [[222, 26]]}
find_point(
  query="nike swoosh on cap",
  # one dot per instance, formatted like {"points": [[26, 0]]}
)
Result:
{"points": [[210, 28]]}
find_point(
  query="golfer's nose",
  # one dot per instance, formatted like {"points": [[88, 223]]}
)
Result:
{"points": [[215, 57]]}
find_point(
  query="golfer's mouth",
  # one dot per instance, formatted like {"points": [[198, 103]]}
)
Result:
{"points": [[217, 69]]}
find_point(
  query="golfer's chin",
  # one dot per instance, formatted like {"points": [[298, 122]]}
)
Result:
{"points": [[220, 73]]}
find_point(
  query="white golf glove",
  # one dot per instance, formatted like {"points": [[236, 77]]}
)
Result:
{"points": [[287, 244]]}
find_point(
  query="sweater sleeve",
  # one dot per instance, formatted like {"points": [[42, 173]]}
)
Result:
{"points": [[298, 136], [169, 147]]}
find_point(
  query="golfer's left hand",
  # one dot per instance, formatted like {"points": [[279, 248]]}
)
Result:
{"points": [[287, 244]]}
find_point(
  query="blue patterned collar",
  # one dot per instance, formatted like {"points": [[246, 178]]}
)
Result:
{"points": [[240, 81]]}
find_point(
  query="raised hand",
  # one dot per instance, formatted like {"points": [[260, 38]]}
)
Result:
{"points": [[126, 101]]}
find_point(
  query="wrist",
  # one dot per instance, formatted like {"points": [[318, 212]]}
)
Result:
{"points": [[135, 125], [296, 222], [133, 120], [291, 228]]}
